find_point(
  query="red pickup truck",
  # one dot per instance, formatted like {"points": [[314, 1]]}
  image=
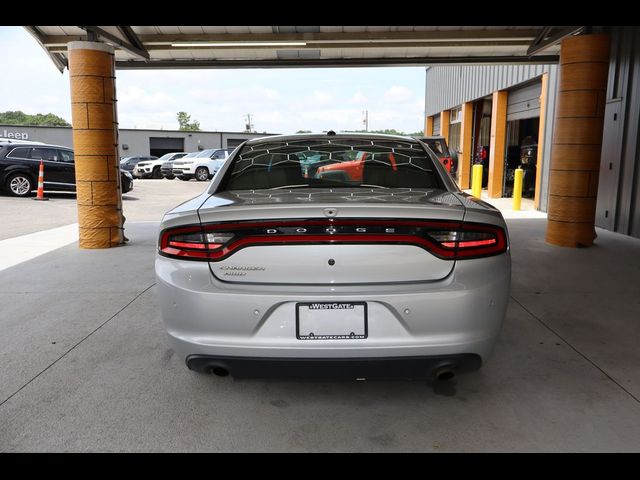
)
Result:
{"points": [[350, 170]]}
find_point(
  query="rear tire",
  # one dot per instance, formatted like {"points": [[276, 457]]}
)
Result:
{"points": [[19, 184], [183, 178], [202, 174], [169, 177], [156, 173]]}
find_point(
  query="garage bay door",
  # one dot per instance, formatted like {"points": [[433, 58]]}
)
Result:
{"points": [[524, 102], [436, 124]]}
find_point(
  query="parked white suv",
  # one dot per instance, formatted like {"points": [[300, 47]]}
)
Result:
{"points": [[203, 166], [152, 168]]}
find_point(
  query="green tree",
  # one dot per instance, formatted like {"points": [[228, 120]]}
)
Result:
{"points": [[184, 120], [20, 118], [303, 131]]}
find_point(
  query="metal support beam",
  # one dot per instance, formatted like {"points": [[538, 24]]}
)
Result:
{"points": [[133, 38], [326, 46], [466, 36], [58, 60], [539, 44], [540, 37], [127, 47], [336, 62]]}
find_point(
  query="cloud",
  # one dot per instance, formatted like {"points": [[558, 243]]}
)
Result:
{"points": [[236, 95], [358, 97], [136, 98], [398, 93], [280, 100]]}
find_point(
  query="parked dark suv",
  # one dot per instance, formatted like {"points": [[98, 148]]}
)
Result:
{"points": [[20, 162]]}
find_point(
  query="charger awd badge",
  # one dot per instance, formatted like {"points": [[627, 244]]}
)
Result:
{"points": [[330, 212]]}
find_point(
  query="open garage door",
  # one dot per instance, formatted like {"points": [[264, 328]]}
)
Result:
{"points": [[234, 142], [523, 124], [524, 102], [159, 146]]}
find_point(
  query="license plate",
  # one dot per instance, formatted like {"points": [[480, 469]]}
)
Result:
{"points": [[331, 321]]}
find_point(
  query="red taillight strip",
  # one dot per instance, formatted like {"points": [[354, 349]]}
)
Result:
{"points": [[200, 246], [469, 243], [168, 247], [445, 250], [498, 246]]}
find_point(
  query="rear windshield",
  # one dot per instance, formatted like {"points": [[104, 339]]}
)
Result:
{"points": [[319, 163]]}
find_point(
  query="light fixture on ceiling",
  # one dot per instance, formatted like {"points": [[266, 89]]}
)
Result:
{"points": [[239, 44]]}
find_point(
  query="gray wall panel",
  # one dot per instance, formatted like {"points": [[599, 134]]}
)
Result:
{"points": [[619, 182], [448, 86]]}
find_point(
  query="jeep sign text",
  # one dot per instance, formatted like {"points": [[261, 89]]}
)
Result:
{"points": [[16, 135]]}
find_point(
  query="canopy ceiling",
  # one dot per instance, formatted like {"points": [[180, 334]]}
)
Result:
{"points": [[329, 46]]}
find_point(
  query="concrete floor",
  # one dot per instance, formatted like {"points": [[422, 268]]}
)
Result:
{"points": [[85, 365], [148, 201]]}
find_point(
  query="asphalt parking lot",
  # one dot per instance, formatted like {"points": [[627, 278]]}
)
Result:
{"points": [[85, 364], [147, 202]]}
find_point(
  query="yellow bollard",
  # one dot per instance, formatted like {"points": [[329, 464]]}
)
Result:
{"points": [[517, 188], [476, 181]]}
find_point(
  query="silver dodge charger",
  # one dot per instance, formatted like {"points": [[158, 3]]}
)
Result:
{"points": [[333, 256]]}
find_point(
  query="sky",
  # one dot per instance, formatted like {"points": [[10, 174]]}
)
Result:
{"points": [[279, 100]]}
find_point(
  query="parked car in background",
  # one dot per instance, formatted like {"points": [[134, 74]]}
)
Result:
{"points": [[448, 158], [398, 274], [167, 166], [20, 164], [153, 168], [351, 169], [202, 166], [129, 163]]}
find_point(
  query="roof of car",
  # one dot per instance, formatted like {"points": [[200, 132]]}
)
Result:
{"points": [[26, 143], [324, 136]]}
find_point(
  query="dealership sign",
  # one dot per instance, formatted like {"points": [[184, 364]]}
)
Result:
{"points": [[16, 135]]}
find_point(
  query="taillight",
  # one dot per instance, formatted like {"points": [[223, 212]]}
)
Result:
{"points": [[192, 242], [472, 241], [445, 239]]}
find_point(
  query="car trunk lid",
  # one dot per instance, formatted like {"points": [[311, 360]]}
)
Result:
{"points": [[330, 236]]}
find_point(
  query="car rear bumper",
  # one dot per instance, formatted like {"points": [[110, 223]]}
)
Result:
{"points": [[461, 314], [432, 367]]}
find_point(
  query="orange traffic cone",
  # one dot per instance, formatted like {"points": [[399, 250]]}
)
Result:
{"points": [[41, 183]]}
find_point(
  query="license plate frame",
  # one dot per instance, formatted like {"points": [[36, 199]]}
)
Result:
{"points": [[349, 307]]}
